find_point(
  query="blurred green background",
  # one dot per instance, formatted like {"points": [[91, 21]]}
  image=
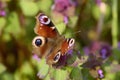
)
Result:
{"points": [[87, 21]]}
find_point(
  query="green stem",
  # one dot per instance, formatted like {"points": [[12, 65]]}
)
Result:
{"points": [[114, 24]]}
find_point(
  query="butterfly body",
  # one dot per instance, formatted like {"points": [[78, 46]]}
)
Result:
{"points": [[49, 43]]}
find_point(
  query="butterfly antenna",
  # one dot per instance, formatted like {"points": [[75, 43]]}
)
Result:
{"points": [[76, 32]]}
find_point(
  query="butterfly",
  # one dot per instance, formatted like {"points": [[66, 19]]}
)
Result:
{"points": [[48, 43]]}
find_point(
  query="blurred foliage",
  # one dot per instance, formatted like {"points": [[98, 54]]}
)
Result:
{"points": [[87, 21]]}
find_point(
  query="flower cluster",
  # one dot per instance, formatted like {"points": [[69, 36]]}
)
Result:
{"points": [[64, 7], [100, 49], [97, 53], [94, 64]]}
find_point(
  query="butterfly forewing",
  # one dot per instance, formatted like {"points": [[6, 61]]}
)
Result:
{"points": [[45, 27]]}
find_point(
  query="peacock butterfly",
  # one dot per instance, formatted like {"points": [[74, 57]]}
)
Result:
{"points": [[48, 43]]}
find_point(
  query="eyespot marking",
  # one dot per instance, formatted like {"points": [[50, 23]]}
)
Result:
{"points": [[44, 19], [38, 41], [57, 57], [71, 42]]}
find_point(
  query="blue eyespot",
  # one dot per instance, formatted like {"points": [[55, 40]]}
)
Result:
{"points": [[38, 42]]}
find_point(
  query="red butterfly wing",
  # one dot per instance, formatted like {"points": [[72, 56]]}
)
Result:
{"points": [[44, 27]]}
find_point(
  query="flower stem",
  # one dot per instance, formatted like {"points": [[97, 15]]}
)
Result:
{"points": [[114, 24]]}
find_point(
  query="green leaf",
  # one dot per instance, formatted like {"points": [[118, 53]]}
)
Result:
{"points": [[26, 69], [60, 74], [110, 75], [6, 37], [43, 68], [29, 8], [6, 76], [69, 33], [17, 75], [47, 77], [2, 23], [72, 21], [13, 26], [86, 74], [45, 5], [43, 72], [116, 54], [61, 27], [96, 12], [76, 74], [2, 68], [41, 63], [72, 59]]}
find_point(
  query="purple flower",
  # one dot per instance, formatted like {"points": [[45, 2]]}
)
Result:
{"points": [[98, 2], [105, 51], [36, 57], [97, 73], [70, 52], [2, 13], [2, 7], [64, 7], [118, 45], [100, 49], [86, 50], [100, 72], [65, 19], [97, 52], [92, 48]]}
